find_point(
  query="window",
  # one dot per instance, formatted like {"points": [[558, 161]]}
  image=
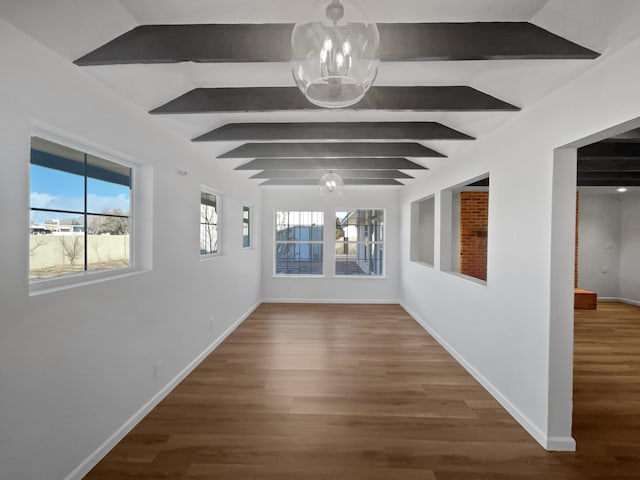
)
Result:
{"points": [[360, 242], [422, 231], [80, 212], [246, 227], [298, 243], [209, 223]]}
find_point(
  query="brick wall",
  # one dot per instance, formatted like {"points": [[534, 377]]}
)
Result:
{"points": [[474, 215]]}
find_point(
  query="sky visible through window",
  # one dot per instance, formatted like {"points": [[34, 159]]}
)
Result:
{"points": [[57, 190], [341, 216]]}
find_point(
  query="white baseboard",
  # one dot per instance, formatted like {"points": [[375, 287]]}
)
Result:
{"points": [[619, 299], [549, 443], [385, 301], [93, 459]]}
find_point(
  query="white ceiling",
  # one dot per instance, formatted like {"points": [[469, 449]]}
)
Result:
{"points": [[72, 28]]}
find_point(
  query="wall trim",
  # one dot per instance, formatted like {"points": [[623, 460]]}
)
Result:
{"points": [[560, 444], [386, 301], [619, 299], [92, 460], [549, 443]]}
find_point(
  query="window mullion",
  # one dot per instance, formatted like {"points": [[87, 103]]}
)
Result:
{"points": [[86, 223]]}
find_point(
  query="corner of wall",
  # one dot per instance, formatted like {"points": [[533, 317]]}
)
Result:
{"points": [[549, 443]]}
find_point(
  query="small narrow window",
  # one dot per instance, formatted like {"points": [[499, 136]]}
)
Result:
{"points": [[360, 242], [246, 227], [80, 212], [298, 243], [209, 223]]}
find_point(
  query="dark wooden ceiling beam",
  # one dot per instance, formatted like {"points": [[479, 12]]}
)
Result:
{"points": [[609, 164], [610, 150], [331, 150], [271, 43], [352, 181], [480, 183], [333, 131], [387, 163], [618, 176], [270, 99], [316, 174], [607, 182]]}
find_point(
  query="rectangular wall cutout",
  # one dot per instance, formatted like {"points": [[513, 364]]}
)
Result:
{"points": [[467, 220], [423, 230]]}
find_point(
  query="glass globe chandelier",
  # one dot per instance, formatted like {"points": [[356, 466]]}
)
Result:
{"points": [[331, 184], [334, 54]]}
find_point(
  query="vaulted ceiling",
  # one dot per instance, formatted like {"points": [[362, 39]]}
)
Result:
{"points": [[216, 73]]}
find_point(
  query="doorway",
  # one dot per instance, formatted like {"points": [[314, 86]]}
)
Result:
{"points": [[596, 161]]}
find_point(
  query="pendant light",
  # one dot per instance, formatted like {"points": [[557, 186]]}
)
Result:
{"points": [[331, 184], [335, 53]]}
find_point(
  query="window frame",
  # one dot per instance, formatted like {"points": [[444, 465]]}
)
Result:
{"points": [[249, 208], [39, 286], [383, 243], [275, 274], [211, 191]]}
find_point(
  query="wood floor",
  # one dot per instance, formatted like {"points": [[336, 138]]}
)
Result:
{"points": [[351, 392]]}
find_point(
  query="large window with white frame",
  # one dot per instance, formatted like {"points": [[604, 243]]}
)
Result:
{"points": [[80, 212], [298, 243], [209, 222], [359, 244]]}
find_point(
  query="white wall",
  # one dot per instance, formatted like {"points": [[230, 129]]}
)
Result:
{"points": [[630, 247], [515, 333], [329, 288], [599, 243], [609, 244], [76, 364]]}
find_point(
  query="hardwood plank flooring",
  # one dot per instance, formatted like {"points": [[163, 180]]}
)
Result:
{"points": [[363, 392]]}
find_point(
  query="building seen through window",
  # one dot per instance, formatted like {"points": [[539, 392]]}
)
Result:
{"points": [[360, 242]]}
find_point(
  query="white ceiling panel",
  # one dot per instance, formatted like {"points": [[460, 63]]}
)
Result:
{"points": [[601, 25], [289, 11], [71, 28]]}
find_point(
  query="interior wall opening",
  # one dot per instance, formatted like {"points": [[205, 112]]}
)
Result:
{"points": [[590, 366], [466, 216], [607, 297], [422, 249]]}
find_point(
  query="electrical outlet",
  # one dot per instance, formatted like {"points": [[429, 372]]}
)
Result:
{"points": [[156, 369]]}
